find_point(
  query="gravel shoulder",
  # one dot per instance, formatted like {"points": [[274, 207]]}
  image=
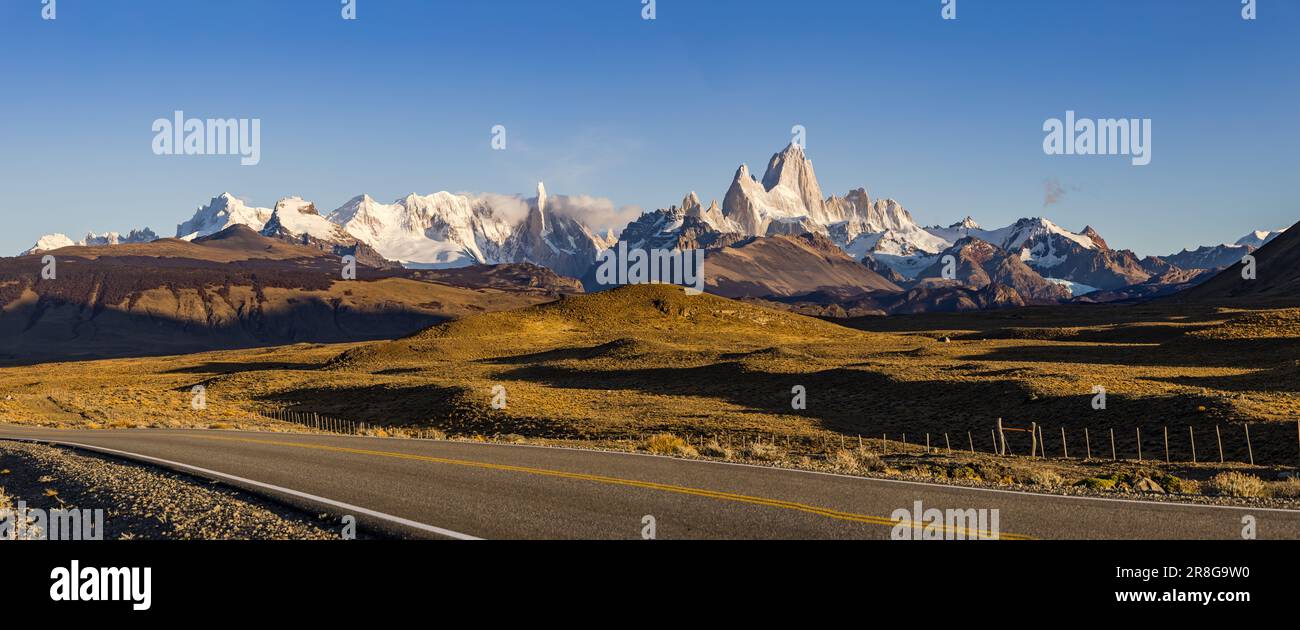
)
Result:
{"points": [[142, 502]]}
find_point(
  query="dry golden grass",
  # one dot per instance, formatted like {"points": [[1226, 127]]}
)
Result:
{"points": [[1237, 484], [667, 444]]}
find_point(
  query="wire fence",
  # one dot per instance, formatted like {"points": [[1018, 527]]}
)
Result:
{"points": [[1271, 443]]}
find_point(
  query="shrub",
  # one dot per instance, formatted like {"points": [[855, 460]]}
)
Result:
{"points": [[1288, 488], [1096, 483], [764, 451], [1178, 485], [1042, 477], [714, 449], [1237, 484], [857, 460], [669, 444]]}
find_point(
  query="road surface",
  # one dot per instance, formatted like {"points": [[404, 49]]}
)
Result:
{"points": [[494, 491]]}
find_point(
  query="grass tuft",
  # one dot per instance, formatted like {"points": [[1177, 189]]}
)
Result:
{"points": [[1237, 484], [669, 444]]}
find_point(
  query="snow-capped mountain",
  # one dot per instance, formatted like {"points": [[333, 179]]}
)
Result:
{"points": [[1219, 256], [980, 263], [553, 240], [1032, 260], [295, 217], [1209, 256], [1259, 238], [222, 212], [788, 201], [446, 230], [51, 242], [881, 232], [442, 230]]}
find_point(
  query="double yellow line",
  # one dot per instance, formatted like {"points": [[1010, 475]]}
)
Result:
{"points": [[649, 485]]}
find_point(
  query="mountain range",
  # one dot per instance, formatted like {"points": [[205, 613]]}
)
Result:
{"points": [[776, 237]]}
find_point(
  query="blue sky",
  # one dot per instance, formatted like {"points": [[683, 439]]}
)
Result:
{"points": [[945, 116]]}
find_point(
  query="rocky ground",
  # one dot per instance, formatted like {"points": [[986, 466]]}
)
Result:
{"points": [[140, 502]]}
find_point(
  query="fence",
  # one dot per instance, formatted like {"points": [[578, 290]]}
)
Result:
{"points": [[1194, 445], [1186, 444], [330, 424]]}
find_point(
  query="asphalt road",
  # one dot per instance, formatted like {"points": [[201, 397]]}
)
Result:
{"points": [[493, 491]]}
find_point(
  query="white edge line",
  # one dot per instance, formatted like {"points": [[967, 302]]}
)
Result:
{"points": [[303, 495]]}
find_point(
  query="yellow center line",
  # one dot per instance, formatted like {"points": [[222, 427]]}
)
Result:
{"points": [[700, 492]]}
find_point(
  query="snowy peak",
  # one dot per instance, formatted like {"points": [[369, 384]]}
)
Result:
{"points": [[541, 205], [1259, 238], [222, 212], [1095, 237], [549, 236], [297, 218], [51, 242], [1038, 229], [793, 171], [438, 231], [48, 243], [789, 199]]}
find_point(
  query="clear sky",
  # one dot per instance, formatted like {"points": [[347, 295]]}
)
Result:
{"points": [[945, 116]]}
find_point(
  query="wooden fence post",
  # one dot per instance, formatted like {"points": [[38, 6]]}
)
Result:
{"points": [[1065, 449], [971, 439], [1219, 437], [1166, 444], [1087, 444], [1249, 450], [1033, 439], [1139, 433], [1002, 435], [1192, 433], [946, 443], [1113, 458]]}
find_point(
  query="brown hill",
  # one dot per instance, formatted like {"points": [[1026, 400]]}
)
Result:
{"points": [[634, 319], [782, 266]]}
